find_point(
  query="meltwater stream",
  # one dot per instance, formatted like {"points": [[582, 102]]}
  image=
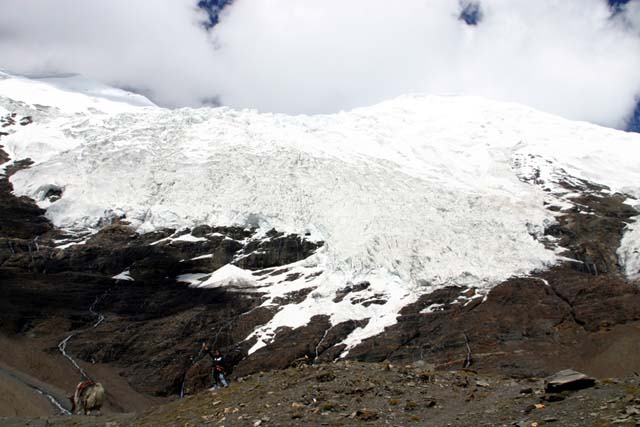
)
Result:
{"points": [[54, 401], [62, 346]]}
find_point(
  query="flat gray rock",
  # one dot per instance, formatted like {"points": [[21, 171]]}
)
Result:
{"points": [[568, 379]]}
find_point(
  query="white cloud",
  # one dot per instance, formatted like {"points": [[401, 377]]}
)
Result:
{"points": [[146, 44], [306, 56], [566, 57], [632, 12]]}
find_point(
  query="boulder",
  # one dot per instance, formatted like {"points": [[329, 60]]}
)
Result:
{"points": [[568, 379]]}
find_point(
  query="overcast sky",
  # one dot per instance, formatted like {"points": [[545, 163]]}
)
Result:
{"points": [[570, 57]]}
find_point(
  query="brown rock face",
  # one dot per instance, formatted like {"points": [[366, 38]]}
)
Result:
{"points": [[4, 157], [21, 218]]}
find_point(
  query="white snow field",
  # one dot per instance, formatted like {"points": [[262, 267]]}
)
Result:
{"points": [[411, 194], [70, 93]]}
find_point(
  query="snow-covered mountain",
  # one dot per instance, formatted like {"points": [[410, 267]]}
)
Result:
{"points": [[70, 93], [410, 195]]}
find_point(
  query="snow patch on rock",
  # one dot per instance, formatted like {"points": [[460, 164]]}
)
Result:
{"points": [[228, 276], [125, 275], [629, 251]]}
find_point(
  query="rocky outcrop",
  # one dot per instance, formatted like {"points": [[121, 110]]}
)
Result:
{"points": [[304, 345], [566, 380], [21, 218], [591, 230], [278, 249]]}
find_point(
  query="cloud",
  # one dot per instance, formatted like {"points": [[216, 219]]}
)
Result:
{"points": [[568, 57], [632, 13], [155, 46]]}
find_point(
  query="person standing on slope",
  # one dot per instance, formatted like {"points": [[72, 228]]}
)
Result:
{"points": [[217, 368]]}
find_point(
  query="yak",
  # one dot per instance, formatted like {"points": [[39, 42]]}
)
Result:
{"points": [[89, 396]]}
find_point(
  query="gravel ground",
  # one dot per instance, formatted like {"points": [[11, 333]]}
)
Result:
{"points": [[345, 394]]}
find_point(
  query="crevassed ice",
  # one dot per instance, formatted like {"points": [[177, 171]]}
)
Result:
{"points": [[383, 194]]}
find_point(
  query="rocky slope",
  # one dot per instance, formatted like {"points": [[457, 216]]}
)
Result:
{"points": [[373, 394]]}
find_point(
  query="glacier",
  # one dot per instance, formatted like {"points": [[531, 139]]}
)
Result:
{"points": [[411, 194]]}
